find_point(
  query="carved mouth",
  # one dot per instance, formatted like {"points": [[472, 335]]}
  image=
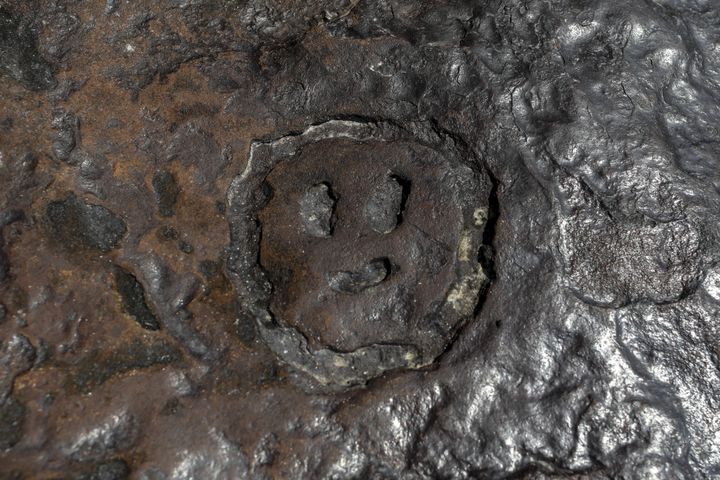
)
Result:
{"points": [[369, 275]]}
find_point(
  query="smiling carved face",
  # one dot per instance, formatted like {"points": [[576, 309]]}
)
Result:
{"points": [[355, 246], [357, 241]]}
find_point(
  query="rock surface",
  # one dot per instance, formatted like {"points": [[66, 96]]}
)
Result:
{"points": [[540, 178]]}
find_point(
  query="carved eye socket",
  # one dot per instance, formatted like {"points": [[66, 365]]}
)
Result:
{"points": [[317, 208], [386, 203], [383, 209]]}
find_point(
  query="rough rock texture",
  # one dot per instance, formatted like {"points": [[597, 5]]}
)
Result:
{"points": [[540, 177], [384, 206], [316, 210]]}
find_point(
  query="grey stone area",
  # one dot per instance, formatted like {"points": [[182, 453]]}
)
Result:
{"points": [[384, 206], [556, 316], [316, 210]]}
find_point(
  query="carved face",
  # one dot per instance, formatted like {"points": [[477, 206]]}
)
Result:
{"points": [[358, 241], [356, 247]]}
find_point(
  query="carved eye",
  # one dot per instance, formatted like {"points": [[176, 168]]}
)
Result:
{"points": [[385, 205], [317, 207]]}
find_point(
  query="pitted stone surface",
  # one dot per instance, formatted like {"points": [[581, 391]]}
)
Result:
{"points": [[539, 178]]}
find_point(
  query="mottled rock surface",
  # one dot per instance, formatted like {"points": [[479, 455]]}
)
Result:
{"points": [[340, 239]]}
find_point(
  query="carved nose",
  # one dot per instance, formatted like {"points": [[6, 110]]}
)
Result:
{"points": [[369, 275]]}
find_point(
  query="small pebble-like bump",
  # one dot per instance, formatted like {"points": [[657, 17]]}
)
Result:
{"points": [[67, 126], [90, 168], [111, 6], [384, 206], [185, 247], [316, 211], [28, 162]]}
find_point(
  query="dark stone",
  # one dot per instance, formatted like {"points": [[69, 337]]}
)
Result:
{"points": [[4, 265], [282, 278], [166, 192], [132, 295], [185, 247], [316, 210], [111, 6], [384, 206], [64, 89], [19, 56], [6, 218], [111, 470], [28, 162], [166, 233], [100, 366], [171, 407], [75, 224], [66, 138], [10, 216], [6, 124], [18, 354], [245, 328], [542, 176], [43, 352], [12, 475], [91, 168], [210, 269], [367, 276], [12, 420]]}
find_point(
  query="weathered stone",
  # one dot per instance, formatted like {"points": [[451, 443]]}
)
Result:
{"points": [[316, 210], [75, 224], [367, 276], [384, 206], [541, 176]]}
